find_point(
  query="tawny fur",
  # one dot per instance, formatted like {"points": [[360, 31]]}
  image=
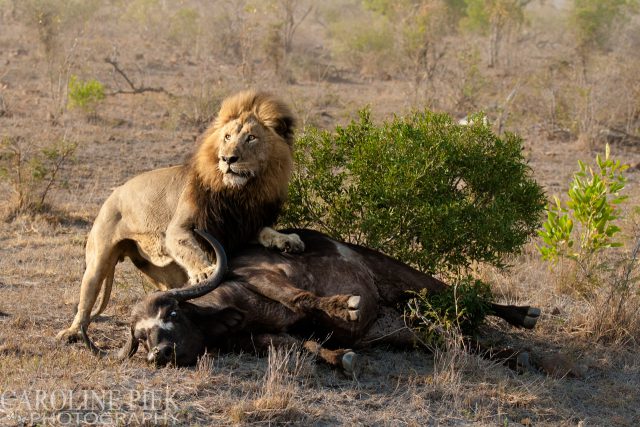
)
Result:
{"points": [[233, 186]]}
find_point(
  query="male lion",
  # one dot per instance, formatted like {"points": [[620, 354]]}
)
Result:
{"points": [[233, 186]]}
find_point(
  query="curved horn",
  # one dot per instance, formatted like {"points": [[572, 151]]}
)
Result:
{"points": [[206, 286], [90, 344], [130, 347], [127, 351]]}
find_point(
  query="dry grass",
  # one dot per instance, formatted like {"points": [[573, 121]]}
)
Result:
{"points": [[277, 400], [41, 256]]}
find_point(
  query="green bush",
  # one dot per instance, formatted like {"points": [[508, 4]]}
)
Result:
{"points": [[364, 42], [85, 94], [462, 307], [422, 189]]}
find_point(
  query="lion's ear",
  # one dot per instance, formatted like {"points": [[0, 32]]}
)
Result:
{"points": [[283, 126]]}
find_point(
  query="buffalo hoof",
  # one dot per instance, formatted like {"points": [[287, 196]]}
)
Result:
{"points": [[531, 318], [354, 308], [523, 362], [350, 362], [70, 335]]}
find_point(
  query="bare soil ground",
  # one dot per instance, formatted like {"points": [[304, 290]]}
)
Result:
{"points": [[43, 381]]}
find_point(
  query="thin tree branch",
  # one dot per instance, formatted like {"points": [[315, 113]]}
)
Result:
{"points": [[134, 89]]}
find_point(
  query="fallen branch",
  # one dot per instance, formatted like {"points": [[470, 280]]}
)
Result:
{"points": [[134, 89], [613, 135]]}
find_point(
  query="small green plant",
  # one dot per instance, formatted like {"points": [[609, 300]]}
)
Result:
{"points": [[594, 196], [32, 172], [85, 95], [461, 308]]}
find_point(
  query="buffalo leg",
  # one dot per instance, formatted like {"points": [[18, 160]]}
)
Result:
{"points": [[340, 358], [272, 286], [520, 316]]}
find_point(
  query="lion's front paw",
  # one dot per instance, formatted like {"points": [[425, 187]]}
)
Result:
{"points": [[198, 277], [291, 243], [270, 238]]}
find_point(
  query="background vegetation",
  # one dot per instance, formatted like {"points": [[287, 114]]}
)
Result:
{"points": [[562, 75]]}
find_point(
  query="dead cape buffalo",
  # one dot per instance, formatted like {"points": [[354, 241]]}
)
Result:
{"points": [[346, 292]]}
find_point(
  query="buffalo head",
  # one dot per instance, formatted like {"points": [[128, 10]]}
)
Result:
{"points": [[171, 329]]}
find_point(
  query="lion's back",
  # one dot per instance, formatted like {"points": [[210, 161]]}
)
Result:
{"points": [[146, 202]]}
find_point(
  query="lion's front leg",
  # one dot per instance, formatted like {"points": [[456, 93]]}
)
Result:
{"points": [[270, 238], [184, 249], [182, 246]]}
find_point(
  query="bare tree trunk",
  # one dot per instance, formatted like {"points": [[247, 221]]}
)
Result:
{"points": [[290, 24], [494, 43]]}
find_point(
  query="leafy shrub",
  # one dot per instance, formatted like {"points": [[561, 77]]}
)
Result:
{"points": [[583, 231], [184, 27], [363, 41], [422, 189], [593, 20], [85, 94], [593, 199], [32, 172], [52, 18], [462, 307]]}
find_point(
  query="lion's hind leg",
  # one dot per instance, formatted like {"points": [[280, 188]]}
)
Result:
{"points": [[106, 291], [101, 264]]}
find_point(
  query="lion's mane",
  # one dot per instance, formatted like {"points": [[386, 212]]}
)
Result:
{"points": [[235, 215]]}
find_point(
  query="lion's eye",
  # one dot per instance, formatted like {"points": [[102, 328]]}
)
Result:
{"points": [[251, 138], [227, 137]]}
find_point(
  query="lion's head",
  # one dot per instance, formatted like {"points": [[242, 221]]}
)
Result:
{"points": [[250, 139]]}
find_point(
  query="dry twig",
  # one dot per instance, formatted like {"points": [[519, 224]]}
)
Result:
{"points": [[134, 89]]}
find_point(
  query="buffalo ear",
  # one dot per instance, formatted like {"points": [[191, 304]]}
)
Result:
{"points": [[227, 320]]}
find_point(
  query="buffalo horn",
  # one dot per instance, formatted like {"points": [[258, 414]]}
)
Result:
{"points": [[90, 344], [127, 350], [206, 286]]}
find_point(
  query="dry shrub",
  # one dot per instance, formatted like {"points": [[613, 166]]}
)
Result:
{"points": [[33, 169], [611, 313], [280, 381], [455, 366], [205, 371], [450, 362], [286, 366], [198, 108]]}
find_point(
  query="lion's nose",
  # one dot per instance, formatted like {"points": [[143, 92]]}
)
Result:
{"points": [[229, 159]]}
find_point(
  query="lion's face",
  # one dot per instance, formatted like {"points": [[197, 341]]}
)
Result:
{"points": [[250, 141], [244, 150]]}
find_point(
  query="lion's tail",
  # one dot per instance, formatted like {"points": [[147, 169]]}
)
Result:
{"points": [[106, 291]]}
